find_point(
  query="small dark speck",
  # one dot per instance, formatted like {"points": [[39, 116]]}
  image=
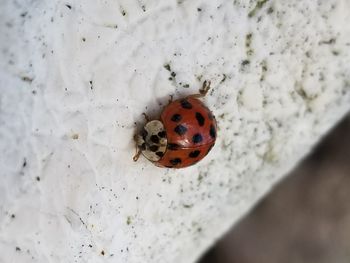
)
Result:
{"points": [[199, 9], [328, 42], [18, 249], [143, 8], [102, 252], [245, 62], [24, 163], [223, 78], [90, 245], [13, 216], [167, 67], [173, 74], [24, 14], [38, 178], [84, 39], [123, 13], [27, 79], [69, 6]]}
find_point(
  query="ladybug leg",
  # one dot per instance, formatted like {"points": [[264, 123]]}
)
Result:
{"points": [[146, 117], [137, 155], [203, 91], [138, 151], [171, 99]]}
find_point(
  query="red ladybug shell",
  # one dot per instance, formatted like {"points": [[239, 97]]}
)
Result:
{"points": [[191, 132]]}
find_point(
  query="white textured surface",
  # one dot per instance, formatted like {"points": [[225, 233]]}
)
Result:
{"points": [[75, 79]]}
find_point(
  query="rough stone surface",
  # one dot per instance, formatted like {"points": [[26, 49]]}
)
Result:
{"points": [[75, 77]]}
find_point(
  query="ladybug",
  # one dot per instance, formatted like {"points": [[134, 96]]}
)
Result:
{"points": [[184, 134]]}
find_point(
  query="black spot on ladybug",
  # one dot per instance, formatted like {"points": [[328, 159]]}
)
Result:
{"points": [[194, 154], [173, 146], [154, 148], [175, 161], [176, 118], [185, 104], [210, 116], [143, 146], [200, 119], [197, 138], [162, 134], [154, 139], [160, 154], [144, 134], [212, 131], [180, 129]]}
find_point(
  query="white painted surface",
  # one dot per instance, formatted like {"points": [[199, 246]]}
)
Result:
{"points": [[73, 82]]}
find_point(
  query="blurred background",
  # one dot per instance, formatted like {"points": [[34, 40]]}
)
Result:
{"points": [[305, 219]]}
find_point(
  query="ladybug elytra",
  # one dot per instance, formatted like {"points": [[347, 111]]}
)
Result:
{"points": [[184, 134]]}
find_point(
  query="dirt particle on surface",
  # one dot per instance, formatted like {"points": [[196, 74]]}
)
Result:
{"points": [[167, 67], [27, 79]]}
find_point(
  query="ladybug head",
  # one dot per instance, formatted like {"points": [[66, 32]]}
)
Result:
{"points": [[152, 140]]}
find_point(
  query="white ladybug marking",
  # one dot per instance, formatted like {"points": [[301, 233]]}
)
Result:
{"points": [[152, 141]]}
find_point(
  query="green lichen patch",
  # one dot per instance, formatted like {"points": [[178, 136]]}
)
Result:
{"points": [[248, 43], [264, 69], [258, 6]]}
